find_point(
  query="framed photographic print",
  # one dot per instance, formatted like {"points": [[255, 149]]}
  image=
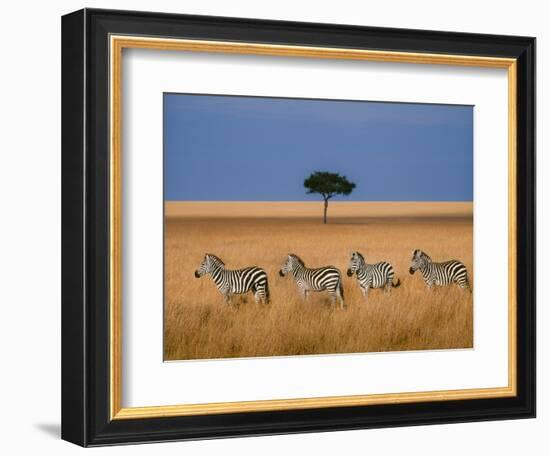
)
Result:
{"points": [[277, 227]]}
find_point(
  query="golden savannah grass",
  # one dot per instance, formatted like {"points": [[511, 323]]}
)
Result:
{"points": [[199, 325]]}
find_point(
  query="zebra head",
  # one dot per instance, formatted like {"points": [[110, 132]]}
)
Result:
{"points": [[209, 264], [419, 260], [356, 262], [292, 263]]}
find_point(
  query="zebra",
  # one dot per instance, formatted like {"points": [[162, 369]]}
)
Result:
{"points": [[378, 275], [440, 274], [317, 279], [236, 281]]}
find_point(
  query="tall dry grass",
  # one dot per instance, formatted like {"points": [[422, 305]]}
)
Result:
{"points": [[198, 324]]}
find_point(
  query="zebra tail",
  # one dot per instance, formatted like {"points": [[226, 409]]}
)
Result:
{"points": [[341, 287], [468, 284], [267, 295], [396, 284]]}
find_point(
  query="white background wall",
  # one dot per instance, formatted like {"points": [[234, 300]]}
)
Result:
{"points": [[30, 192]]}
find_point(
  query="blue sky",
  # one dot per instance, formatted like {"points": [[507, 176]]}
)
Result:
{"points": [[225, 148]]}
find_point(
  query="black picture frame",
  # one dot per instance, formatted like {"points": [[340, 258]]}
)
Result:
{"points": [[85, 228]]}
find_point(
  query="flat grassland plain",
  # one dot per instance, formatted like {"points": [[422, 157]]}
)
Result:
{"points": [[199, 325]]}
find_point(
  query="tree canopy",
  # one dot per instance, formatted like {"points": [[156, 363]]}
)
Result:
{"points": [[328, 184]]}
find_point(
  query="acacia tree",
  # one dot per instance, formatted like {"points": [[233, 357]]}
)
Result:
{"points": [[328, 185]]}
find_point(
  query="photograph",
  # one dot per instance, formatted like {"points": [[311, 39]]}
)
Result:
{"points": [[315, 226]]}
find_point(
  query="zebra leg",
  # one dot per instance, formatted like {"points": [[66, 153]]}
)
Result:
{"points": [[340, 293], [226, 293], [260, 296], [337, 293], [303, 292], [366, 292]]}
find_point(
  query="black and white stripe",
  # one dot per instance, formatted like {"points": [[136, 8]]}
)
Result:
{"points": [[378, 275], [439, 274], [237, 281], [318, 279]]}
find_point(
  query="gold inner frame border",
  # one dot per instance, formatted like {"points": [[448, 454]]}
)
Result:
{"points": [[116, 46]]}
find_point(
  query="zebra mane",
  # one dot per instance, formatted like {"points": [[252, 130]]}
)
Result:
{"points": [[421, 254], [297, 258], [361, 257], [216, 259]]}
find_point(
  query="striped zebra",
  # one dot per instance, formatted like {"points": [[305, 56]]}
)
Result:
{"points": [[235, 281], [378, 275], [317, 279], [440, 274]]}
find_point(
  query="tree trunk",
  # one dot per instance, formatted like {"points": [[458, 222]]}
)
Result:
{"points": [[325, 215]]}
